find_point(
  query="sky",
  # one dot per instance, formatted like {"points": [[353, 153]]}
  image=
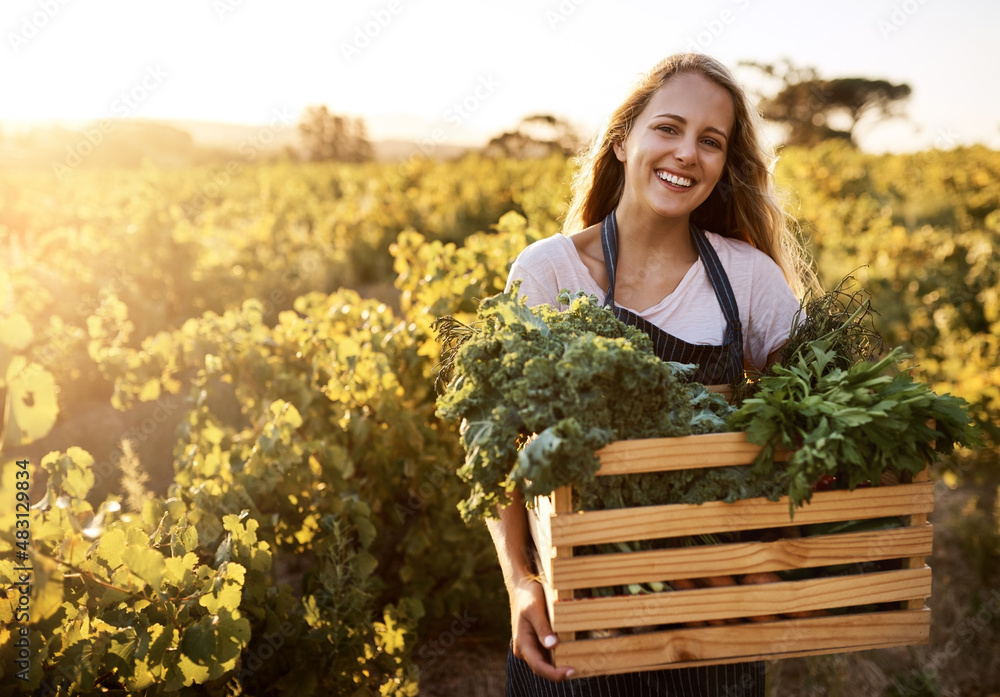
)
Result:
{"points": [[459, 72]]}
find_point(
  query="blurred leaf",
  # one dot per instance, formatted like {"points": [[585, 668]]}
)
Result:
{"points": [[145, 563], [31, 399]]}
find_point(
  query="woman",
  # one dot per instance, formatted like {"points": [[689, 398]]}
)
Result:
{"points": [[674, 222]]}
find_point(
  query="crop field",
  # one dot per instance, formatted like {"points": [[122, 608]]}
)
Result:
{"points": [[221, 385]]}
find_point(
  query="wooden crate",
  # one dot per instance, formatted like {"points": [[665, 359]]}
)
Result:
{"points": [[902, 617]]}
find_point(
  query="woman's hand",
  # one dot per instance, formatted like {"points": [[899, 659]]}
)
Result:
{"points": [[529, 619], [531, 631]]}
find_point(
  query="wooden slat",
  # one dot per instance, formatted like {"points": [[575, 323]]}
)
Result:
{"points": [[538, 523], [562, 500], [598, 570], [652, 522], [736, 643], [740, 601], [920, 558], [562, 503], [545, 554], [725, 390], [686, 452]]}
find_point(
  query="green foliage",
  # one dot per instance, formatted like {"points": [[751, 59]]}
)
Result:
{"points": [[310, 459], [839, 406], [853, 424], [28, 407], [131, 602], [561, 383], [311, 530], [921, 232]]}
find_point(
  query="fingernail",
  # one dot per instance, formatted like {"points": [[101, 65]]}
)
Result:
{"points": [[550, 641], [570, 673]]}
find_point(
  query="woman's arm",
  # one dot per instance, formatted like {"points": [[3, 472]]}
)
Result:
{"points": [[530, 628], [774, 357]]}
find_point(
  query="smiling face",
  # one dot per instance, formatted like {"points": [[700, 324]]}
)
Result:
{"points": [[675, 151]]}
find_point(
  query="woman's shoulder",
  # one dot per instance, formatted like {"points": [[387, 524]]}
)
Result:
{"points": [[546, 249], [738, 255], [545, 260], [733, 246], [557, 254]]}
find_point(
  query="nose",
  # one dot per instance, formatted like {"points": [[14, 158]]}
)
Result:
{"points": [[686, 150]]}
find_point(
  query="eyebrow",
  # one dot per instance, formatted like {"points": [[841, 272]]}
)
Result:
{"points": [[683, 120]]}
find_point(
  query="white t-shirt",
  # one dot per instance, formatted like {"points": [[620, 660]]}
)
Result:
{"points": [[691, 312]]}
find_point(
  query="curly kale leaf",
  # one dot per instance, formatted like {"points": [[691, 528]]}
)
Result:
{"points": [[568, 442], [566, 382]]}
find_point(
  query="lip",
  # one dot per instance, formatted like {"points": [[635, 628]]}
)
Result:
{"points": [[674, 187]]}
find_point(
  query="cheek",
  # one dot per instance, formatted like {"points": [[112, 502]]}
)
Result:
{"points": [[718, 167]]}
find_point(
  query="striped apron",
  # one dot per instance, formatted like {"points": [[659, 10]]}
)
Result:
{"points": [[717, 365]]}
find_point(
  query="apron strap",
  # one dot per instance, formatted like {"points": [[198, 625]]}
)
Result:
{"points": [[609, 243], [716, 275], [706, 252]]}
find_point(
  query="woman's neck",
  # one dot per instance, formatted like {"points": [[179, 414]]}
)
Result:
{"points": [[646, 234]]}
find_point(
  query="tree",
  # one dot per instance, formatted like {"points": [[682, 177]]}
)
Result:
{"points": [[535, 136], [815, 109], [327, 136]]}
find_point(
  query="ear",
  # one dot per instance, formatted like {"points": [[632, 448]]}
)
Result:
{"points": [[619, 148]]}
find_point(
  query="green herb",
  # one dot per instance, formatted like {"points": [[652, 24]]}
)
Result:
{"points": [[851, 423], [842, 318]]}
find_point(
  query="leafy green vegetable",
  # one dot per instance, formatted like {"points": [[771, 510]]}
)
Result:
{"points": [[853, 424], [564, 385], [842, 318]]}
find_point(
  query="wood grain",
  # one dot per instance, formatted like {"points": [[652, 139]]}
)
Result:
{"points": [[670, 607], [686, 452], [682, 648], [598, 570], [557, 529], [675, 520], [917, 520]]}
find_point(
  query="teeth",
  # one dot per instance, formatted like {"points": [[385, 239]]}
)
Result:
{"points": [[673, 179]]}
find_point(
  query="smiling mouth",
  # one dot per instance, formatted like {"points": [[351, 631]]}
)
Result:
{"points": [[674, 179]]}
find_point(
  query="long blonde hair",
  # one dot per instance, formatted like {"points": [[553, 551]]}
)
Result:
{"points": [[744, 204]]}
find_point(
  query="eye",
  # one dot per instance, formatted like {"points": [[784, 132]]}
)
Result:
{"points": [[666, 129], [713, 143]]}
